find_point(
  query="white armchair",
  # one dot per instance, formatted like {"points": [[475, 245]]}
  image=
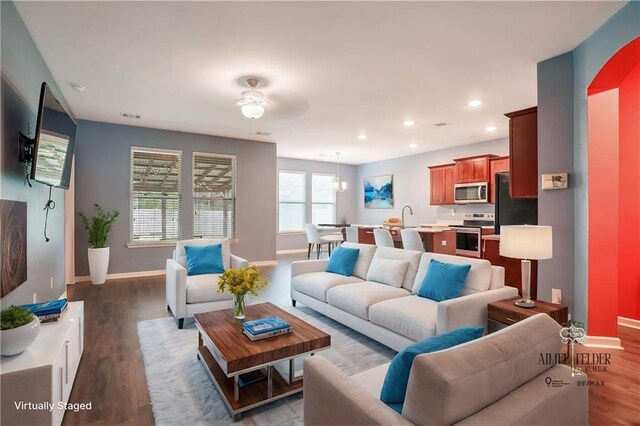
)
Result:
{"points": [[189, 295]]}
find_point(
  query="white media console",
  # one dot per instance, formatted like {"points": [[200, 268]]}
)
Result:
{"points": [[43, 375]]}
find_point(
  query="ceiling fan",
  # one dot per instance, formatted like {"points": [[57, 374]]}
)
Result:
{"points": [[252, 102]]}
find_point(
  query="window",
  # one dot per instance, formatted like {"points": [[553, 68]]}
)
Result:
{"points": [[292, 197], [214, 195], [323, 198], [155, 194]]}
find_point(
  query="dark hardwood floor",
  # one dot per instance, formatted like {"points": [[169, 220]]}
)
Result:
{"points": [[111, 372]]}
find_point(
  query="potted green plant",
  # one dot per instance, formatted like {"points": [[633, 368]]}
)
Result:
{"points": [[18, 329], [98, 227], [239, 282]]}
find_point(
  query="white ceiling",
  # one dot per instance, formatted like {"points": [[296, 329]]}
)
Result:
{"points": [[334, 69]]}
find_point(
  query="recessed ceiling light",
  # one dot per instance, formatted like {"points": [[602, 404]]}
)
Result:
{"points": [[409, 123], [491, 129], [413, 145], [475, 103], [362, 136]]}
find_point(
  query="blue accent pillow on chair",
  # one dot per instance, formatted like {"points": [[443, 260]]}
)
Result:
{"points": [[395, 383], [343, 260], [204, 259], [443, 281]]}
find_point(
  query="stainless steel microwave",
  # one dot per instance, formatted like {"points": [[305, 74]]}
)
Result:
{"points": [[468, 193]]}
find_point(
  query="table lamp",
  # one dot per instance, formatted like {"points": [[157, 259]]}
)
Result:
{"points": [[526, 242]]}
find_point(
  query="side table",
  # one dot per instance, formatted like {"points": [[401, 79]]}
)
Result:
{"points": [[507, 313]]}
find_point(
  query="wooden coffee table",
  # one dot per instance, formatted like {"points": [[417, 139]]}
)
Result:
{"points": [[226, 353]]}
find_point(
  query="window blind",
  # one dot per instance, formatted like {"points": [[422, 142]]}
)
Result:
{"points": [[214, 195], [292, 200], [323, 198], [155, 194]]}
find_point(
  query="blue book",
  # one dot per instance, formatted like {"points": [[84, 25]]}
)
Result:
{"points": [[47, 308], [265, 325]]}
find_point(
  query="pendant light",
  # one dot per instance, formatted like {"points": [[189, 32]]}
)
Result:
{"points": [[337, 185]]}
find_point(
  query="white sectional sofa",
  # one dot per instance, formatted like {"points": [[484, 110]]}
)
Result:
{"points": [[381, 301]]}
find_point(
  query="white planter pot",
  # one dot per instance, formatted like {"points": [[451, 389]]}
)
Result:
{"points": [[98, 264], [18, 339]]}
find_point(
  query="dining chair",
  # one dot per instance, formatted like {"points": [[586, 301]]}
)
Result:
{"points": [[314, 239], [383, 238], [352, 234], [411, 240]]}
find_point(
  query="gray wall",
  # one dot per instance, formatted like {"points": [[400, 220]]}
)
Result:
{"points": [[345, 205], [23, 71], [588, 58], [102, 176], [555, 155], [412, 186]]}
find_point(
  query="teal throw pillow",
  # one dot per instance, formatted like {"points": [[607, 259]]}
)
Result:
{"points": [[395, 383], [343, 260], [443, 281], [204, 259]]}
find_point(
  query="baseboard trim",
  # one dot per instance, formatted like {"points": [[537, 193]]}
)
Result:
{"points": [[292, 251], [629, 322], [603, 342], [121, 275], [264, 263]]}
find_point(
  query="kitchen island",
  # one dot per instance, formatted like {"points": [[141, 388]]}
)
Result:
{"points": [[436, 240]]}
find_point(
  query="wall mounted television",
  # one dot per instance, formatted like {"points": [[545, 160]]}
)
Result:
{"points": [[51, 150]]}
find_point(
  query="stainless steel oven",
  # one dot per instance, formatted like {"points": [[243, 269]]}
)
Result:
{"points": [[468, 240], [469, 193], [469, 234]]}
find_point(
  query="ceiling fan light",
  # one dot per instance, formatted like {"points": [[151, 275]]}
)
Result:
{"points": [[252, 111]]}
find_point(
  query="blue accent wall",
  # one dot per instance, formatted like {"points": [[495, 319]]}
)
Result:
{"points": [[23, 71], [102, 176], [555, 155]]}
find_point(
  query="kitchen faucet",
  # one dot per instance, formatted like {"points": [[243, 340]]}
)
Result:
{"points": [[410, 211]]}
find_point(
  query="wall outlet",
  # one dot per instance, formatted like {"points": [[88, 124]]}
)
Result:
{"points": [[556, 295], [453, 212], [569, 317], [51, 283], [34, 298], [444, 243]]}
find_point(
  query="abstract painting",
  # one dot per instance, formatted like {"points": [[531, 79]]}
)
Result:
{"points": [[378, 192], [13, 245]]}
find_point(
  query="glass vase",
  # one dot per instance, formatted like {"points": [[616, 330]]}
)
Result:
{"points": [[239, 307]]}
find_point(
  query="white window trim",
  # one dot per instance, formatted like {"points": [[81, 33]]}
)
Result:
{"points": [[305, 203], [235, 191], [160, 243], [335, 203]]}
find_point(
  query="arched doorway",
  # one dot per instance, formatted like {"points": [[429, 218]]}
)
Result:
{"points": [[614, 195]]}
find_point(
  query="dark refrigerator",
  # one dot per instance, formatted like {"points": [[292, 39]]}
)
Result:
{"points": [[513, 211]]}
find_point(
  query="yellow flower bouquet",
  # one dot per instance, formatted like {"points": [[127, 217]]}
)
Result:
{"points": [[239, 282]]}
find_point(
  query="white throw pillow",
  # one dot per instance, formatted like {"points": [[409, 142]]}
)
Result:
{"points": [[387, 271]]}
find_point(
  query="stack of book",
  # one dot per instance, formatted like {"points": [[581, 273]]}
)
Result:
{"points": [[264, 328], [48, 312]]}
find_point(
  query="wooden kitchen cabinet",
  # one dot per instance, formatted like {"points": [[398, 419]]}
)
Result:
{"points": [[365, 236], [442, 181], [497, 165], [523, 153], [473, 169]]}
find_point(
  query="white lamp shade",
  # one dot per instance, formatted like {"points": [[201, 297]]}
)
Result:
{"points": [[526, 242], [252, 111]]}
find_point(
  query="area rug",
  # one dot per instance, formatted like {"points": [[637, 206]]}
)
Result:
{"points": [[182, 393]]}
